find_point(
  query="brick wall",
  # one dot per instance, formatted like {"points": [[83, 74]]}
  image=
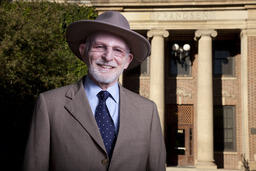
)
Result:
{"points": [[252, 93], [227, 92]]}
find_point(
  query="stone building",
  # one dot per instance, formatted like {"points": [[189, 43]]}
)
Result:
{"points": [[206, 90]]}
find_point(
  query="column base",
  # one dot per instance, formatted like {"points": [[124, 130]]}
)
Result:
{"points": [[252, 165], [206, 165]]}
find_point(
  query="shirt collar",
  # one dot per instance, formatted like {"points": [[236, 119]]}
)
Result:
{"points": [[92, 89]]}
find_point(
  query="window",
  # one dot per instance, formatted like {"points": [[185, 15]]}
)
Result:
{"points": [[177, 69], [224, 128], [133, 72], [144, 67], [223, 57]]}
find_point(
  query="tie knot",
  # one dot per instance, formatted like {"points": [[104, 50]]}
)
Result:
{"points": [[103, 95]]}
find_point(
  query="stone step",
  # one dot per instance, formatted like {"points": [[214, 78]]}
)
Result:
{"points": [[195, 169]]}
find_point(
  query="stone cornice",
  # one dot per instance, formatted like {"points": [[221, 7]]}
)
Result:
{"points": [[153, 3]]}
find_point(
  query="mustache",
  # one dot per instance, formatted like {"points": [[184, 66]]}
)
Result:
{"points": [[111, 63]]}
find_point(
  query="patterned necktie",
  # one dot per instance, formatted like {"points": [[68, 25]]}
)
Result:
{"points": [[105, 122]]}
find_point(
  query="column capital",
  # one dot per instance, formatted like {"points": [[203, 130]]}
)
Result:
{"points": [[205, 32], [156, 32]]}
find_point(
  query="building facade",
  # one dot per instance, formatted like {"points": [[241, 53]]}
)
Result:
{"points": [[201, 74]]}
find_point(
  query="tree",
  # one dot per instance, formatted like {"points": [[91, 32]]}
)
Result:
{"points": [[34, 57]]}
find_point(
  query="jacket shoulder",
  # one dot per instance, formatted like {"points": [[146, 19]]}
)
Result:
{"points": [[134, 97], [59, 96], [62, 90]]}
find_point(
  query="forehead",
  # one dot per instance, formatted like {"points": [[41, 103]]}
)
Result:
{"points": [[109, 39]]}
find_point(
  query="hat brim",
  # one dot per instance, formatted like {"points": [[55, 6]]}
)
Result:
{"points": [[78, 31]]}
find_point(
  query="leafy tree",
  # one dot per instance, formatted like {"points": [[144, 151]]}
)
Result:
{"points": [[34, 57]]}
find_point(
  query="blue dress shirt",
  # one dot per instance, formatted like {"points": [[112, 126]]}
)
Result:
{"points": [[92, 89]]}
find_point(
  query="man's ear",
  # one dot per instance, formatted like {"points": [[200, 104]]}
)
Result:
{"points": [[128, 60], [82, 50]]}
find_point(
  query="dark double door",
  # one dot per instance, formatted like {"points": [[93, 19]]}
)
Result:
{"points": [[179, 135]]}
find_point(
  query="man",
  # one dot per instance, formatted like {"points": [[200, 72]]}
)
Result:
{"points": [[96, 124]]}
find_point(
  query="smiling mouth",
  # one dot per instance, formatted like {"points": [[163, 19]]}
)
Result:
{"points": [[105, 67]]}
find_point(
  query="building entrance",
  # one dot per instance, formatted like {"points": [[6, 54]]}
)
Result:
{"points": [[179, 135]]}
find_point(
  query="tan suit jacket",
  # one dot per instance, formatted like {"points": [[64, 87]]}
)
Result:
{"points": [[64, 135]]}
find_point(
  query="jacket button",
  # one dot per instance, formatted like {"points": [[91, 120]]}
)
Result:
{"points": [[104, 162]]}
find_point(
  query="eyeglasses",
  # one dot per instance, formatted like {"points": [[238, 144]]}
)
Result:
{"points": [[117, 52]]}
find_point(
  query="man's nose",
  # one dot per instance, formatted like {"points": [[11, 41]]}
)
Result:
{"points": [[108, 54]]}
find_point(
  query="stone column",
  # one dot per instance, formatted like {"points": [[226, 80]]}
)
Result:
{"points": [[157, 70], [205, 152], [244, 93]]}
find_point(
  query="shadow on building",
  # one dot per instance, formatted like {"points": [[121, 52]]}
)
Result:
{"points": [[225, 49]]}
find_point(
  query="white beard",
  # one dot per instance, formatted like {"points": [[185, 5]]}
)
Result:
{"points": [[99, 77]]}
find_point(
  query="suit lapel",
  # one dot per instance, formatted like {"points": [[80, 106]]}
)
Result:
{"points": [[79, 108], [124, 122]]}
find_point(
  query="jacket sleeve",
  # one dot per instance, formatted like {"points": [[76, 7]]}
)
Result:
{"points": [[38, 146], [157, 152]]}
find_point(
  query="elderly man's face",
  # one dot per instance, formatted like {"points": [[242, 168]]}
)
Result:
{"points": [[107, 57]]}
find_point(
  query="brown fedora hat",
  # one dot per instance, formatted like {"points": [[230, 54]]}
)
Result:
{"points": [[112, 22]]}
